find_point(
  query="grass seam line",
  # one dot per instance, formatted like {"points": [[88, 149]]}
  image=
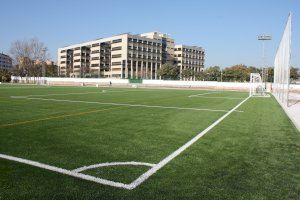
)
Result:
{"points": [[173, 155], [57, 117]]}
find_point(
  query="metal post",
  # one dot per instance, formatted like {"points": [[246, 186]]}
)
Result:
{"points": [[264, 38]]}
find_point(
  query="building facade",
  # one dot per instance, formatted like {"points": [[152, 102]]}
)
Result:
{"points": [[120, 56], [189, 58], [5, 61]]}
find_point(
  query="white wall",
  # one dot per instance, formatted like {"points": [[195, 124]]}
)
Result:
{"points": [[153, 83]]}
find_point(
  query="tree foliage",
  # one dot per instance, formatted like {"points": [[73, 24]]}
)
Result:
{"points": [[240, 73], [169, 71], [5, 75], [25, 54]]}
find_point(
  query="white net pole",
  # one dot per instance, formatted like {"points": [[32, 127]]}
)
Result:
{"points": [[282, 64]]}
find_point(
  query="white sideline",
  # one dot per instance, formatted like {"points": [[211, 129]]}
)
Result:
{"points": [[120, 104], [67, 172], [112, 164], [201, 94], [166, 160]]}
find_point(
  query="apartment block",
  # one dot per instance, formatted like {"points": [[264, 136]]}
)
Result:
{"points": [[5, 61], [189, 57], [120, 56]]}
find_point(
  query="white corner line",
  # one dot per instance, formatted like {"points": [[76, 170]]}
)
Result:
{"points": [[112, 164], [122, 104], [66, 172], [170, 157]]}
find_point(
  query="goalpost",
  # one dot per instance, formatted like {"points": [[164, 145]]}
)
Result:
{"points": [[257, 87]]}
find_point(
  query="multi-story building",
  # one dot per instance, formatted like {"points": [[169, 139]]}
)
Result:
{"points": [[5, 61], [168, 45], [120, 56], [189, 57]]}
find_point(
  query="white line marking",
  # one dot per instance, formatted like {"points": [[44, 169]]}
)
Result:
{"points": [[170, 157], [201, 94], [123, 104], [140, 179], [113, 164], [65, 171], [62, 94], [217, 97]]}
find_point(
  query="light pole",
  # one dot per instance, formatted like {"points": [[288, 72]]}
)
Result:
{"points": [[43, 65], [264, 71]]}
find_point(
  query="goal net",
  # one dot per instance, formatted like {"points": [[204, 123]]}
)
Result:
{"points": [[257, 87], [282, 65]]}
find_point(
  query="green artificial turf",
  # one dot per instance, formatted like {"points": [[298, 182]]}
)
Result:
{"points": [[252, 154]]}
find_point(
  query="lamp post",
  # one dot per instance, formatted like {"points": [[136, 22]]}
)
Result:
{"points": [[264, 71], [43, 64]]}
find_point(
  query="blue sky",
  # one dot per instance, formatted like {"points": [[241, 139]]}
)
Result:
{"points": [[226, 29]]}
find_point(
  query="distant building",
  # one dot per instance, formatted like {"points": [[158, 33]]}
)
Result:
{"points": [[127, 56], [48, 62], [5, 61]]}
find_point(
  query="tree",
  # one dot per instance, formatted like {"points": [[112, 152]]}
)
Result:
{"points": [[294, 74], [25, 53], [5, 75], [52, 70], [200, 76], [213, 73], [236, 73], [187, 73], [169, 71]]}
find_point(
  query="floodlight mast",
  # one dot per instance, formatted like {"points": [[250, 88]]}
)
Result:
{"points": [[264, 70]]}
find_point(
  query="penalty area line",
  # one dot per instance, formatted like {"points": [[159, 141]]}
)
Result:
{"points": [[201, 94]]}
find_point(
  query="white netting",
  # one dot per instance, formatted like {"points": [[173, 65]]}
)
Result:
{"points": [[282, 65], [257, 87]]}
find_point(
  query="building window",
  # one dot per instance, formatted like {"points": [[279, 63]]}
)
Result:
{"points": [[95, 45], [96, 51], [62, 62], [117, 41], [115, 63], [62, 51], [116, 48], [95, 65], [117, 56], [77, 48], [95, 58], [78, 60]]}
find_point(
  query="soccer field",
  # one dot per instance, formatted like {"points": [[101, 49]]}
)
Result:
{"points": [[123, 143]]}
